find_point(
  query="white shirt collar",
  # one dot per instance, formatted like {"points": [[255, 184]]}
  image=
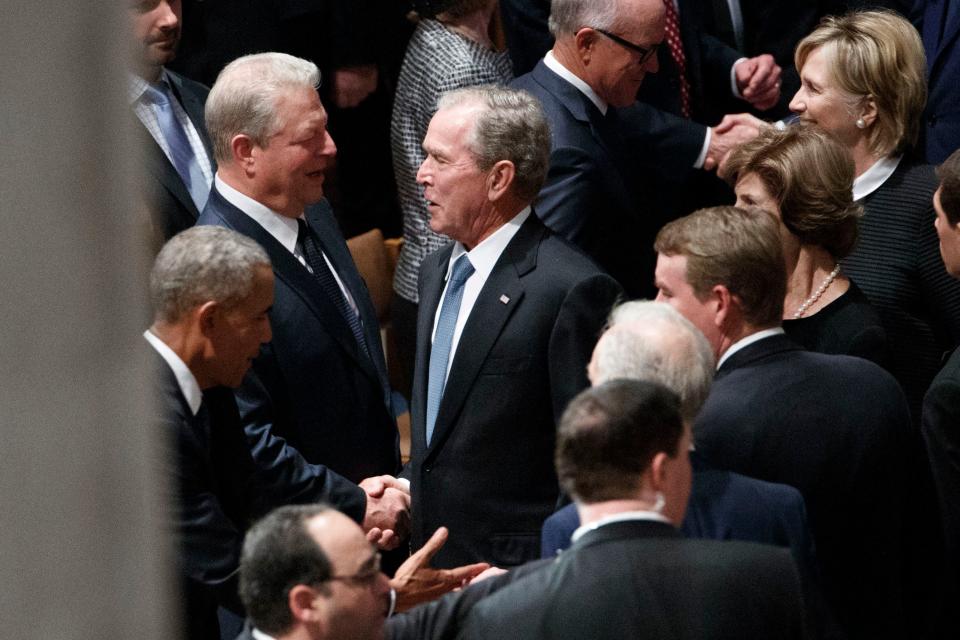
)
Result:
{"points": [[746, 342], [282, 228], [260, 635], [871, 179], [185, 378], [625, 516], [554, 65], [484, 256]]}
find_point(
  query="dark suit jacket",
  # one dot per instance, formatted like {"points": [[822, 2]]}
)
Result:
{"points": [[941, 430], [941, 130], [171, 207], [488, 473], [594, 194], [837, 428], [723, 506], [311, 393], [640, 579], [219, 491]]}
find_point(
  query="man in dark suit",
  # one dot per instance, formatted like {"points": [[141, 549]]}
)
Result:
{"points": [[596, 193], [622, 455], [938, 22], [211, 289], [508, 315], [317, 394], [941, 406], [169, 108], [651, 341], [834, 427]]}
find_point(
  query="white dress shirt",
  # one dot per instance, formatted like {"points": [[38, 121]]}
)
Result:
{"points": [[283, 229], [189, 386], [483, 257], [746, 342], [871, 179]]}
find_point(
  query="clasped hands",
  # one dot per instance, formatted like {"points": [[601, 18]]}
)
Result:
{"points": [[387, 519]]}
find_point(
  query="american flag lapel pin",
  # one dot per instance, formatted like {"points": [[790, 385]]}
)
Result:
{"points": [[504, 299]]}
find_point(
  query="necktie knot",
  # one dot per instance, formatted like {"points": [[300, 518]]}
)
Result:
{"points": [[462, 270], [157, 94]]}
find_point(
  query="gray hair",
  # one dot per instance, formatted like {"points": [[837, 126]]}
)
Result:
{"points": [[203, 264], [651, 341], [243, 100], [569, 16], [511, 127]]}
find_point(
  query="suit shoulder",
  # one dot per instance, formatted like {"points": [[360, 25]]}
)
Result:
{"points": [[198, 89]]}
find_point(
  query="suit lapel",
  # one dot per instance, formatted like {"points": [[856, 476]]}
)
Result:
{"points": [[485, 323], [932, 20], [159, 165], [194, 107], [288, 269]]}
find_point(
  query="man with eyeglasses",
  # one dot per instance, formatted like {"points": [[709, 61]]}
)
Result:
{"points": [[615, 162], [308, 572]]}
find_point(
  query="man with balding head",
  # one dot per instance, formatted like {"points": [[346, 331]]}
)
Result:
{"points": [[651, 341]]}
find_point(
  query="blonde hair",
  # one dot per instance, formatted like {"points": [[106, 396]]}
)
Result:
{"points": [[878, 55]]}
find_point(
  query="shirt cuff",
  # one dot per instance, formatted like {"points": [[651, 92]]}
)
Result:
{"points": [[733, 79], [703, 152]]}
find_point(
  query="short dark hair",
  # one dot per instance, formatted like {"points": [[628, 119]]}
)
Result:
{"points": [[949, 174], [609, 435], [278, 554], [737, 248]]}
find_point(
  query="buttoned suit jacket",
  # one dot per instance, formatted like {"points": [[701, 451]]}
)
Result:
{"points": [[595, 194], [311, 394], [171, 208], [488, 473], [837, 428], [941, 127], [641, 579]]}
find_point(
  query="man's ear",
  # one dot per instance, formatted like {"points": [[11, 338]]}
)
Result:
{"points": [[499, 179], [722, 300], [585, 39], [242, 147], [307, 604], [207, 316], [656, 475]]}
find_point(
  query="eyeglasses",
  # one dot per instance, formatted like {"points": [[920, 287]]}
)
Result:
{"points": [[365, 576], [645, 52]]}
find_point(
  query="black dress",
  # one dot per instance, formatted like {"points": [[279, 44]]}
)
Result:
{"points": [[847, 326], [897, 264]]}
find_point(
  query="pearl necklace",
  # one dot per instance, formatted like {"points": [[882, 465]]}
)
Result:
{"points": [[816, 294]]}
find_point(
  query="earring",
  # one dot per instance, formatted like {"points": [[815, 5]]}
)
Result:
{"points": [[860, 123]]}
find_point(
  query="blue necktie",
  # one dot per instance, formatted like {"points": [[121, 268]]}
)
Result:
{"points": [[181, 153], [443, 339], [314, 257]]}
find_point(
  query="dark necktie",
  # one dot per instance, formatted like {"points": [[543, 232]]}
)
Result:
{"points": [[182, 157], [443, 339], [314, 257], [676, 52]]}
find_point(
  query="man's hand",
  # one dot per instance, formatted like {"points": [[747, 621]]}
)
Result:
{"points": [[387, 520], [758, 80], [732, 131], [352, 85], [416, 582]]}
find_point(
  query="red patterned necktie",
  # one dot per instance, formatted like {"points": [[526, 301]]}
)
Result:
{"points": [[676, 52]]}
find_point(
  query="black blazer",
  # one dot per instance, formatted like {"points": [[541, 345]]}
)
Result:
{"points": [[837, 428], [311, 393], [171, 208], [595, 194], [641, 579], [488, 473]]}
